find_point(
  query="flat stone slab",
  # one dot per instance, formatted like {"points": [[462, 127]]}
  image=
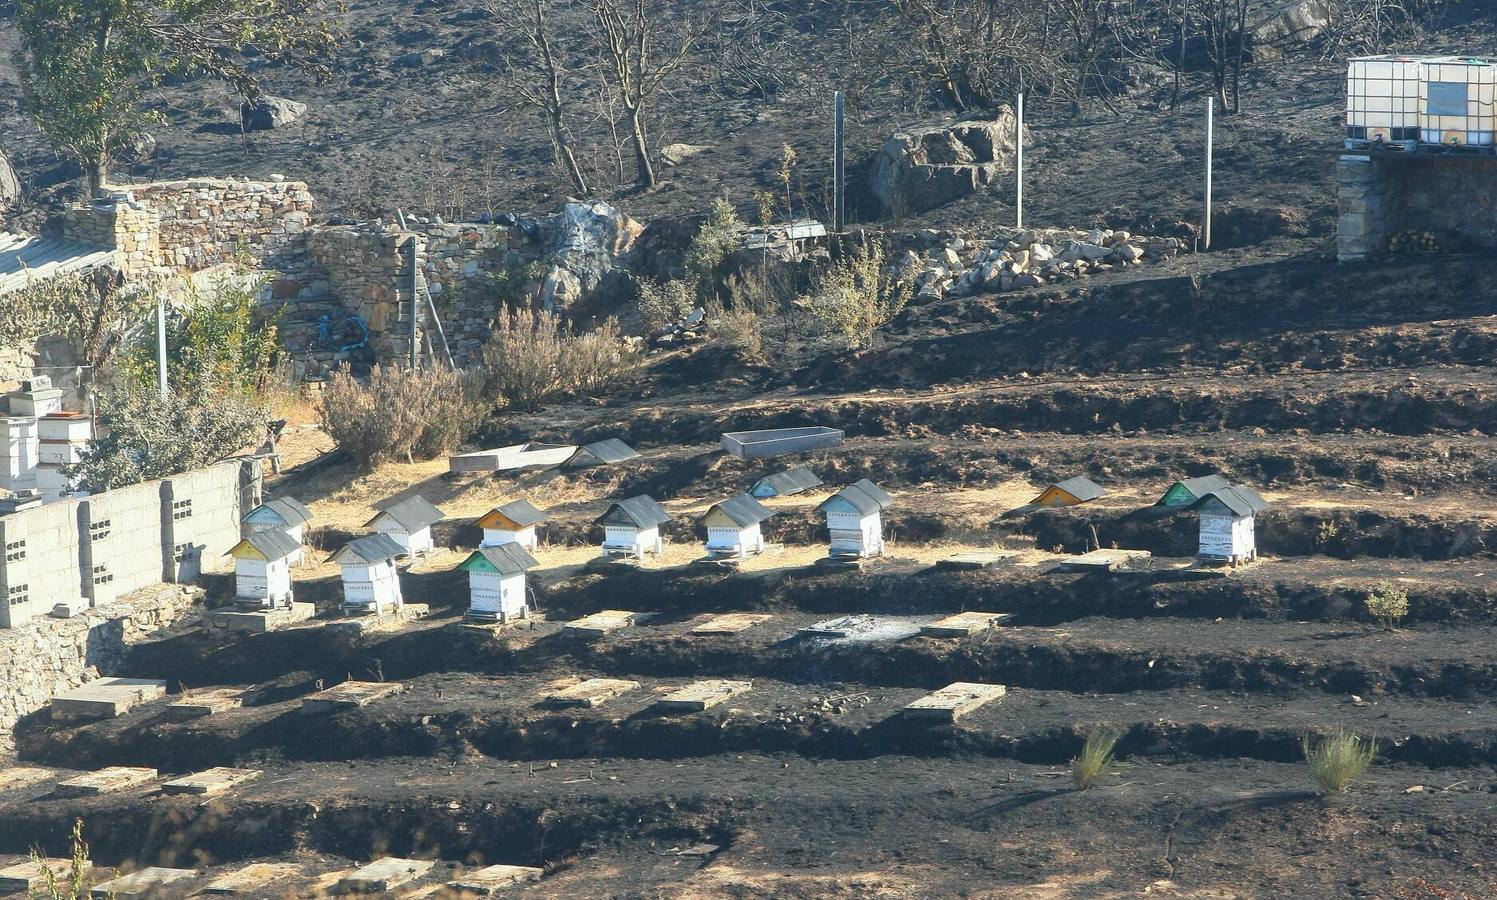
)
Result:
{"points": [[493, 879], [24, 776], [731, 623], [384, 875], [29, 874], [348, 695], [964, 624], [702, 695], [954, 701], [982, 559], [105, 698], [865, 628], [198, 704], [105, 781], [590, 693], [261, 620], [251, 879], [1101, 560], [150, 882], [601, 623], [211, 781]]}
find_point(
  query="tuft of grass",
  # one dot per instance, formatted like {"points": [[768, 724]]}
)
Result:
{"points": [[1095, 759], [1338, 759], [74, 883]]}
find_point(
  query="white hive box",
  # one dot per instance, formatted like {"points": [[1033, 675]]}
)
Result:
{"points": [[19, 452], [1456, 97], [70, 427], [1382, 99], [35, 403]]}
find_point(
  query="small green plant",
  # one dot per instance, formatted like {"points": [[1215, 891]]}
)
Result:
{"points": [[216, 340], [1326, 533], [1388, 604], [764, 202], [786, 174], [665, 303], [1095, 758], [717, 237], [74, 883], [1338, 759], [740, 330], [859, 294]]}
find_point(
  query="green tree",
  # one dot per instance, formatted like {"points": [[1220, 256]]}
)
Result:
{"points": [[215, 340], [85, 64]]}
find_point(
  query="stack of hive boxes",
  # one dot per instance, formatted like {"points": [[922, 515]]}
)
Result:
{"points": [[37, 439]]}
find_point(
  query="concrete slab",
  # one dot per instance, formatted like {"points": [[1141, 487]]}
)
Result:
{"points": [[493, 879], [1101, 561], [260, 621], [24, 776], [105, 781], [384, 875], [702, 695], [862, 628], [731, 623], [590, 693], [30, 874], [964, 624], [348, 695], [105, 698], [197, 704], [601, 623], [954, 701], [151, 882], [981, 559], [251, 879], [211, 781], [364, 624], [515, 456]]}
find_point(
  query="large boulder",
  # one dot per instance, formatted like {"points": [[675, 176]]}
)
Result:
{"points": [[922, 168], [270, 112], [1277, 25], [590, 240], [10, 185]]}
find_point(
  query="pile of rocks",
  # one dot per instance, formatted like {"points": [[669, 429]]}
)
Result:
{"points": [[1031, 258]]}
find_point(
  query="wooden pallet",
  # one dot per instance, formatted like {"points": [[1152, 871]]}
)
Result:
{"points": [[105, 781], [348, 695], [211, 781], [964, 624], [730, 623]]}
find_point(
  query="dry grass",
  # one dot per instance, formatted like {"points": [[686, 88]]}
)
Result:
{"points": [[1095, 758], [399, 414], [533, 358], [1338, 759]]}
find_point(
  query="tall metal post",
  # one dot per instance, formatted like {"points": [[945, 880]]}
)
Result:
{"points": [[839, 174], [1019, 162], [1206, 224], [161, 344], [415, 299]]}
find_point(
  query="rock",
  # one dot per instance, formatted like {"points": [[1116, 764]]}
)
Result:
{"points": [[1021, 261], [957, 244], [675, 154], [560, 291], [1127, 253], [270, 112], [1027, 280], [1039, 253], [952, 259], [589, 240], [1085, 250], [926, 167], [419, 58], [10, 185], [991, 274], [1279, 25]]}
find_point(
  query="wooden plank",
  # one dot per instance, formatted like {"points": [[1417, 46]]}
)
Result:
{"points": [[590, 693], [384, 875], [731, 623], [22, 776], [104, 781], [150, 882], [210, 781], [964, 624], [348, 695], [601, 623], [954, 701], [252, 879], [30, 874], [198, 704], [702, 695], [493, 879]]}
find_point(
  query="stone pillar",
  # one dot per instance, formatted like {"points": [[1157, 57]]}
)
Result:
{"points": [[1365, 206]]}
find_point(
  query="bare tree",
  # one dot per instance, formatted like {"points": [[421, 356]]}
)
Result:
{"points": [[640, 45], [536, 74], [1223, 25]]}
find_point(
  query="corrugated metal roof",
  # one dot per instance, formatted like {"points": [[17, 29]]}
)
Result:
{"points": [[369, 548], [1240, 499], [509, 559], [600, 453], [863, 495], [782, 484], [27, 259], [288, 510], [272, 544], [743, 510], [641, 512], [413, 513]]}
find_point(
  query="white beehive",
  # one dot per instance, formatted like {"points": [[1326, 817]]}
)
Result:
{"points": [[1456, 97], [1382, 99]]}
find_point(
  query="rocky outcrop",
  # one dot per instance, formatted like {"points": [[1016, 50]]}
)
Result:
{"points": [[588, 240], [1277, 26], [922, 168], [270, 112]]}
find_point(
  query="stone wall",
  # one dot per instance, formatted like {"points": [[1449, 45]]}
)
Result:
{"points": [[207, 221], [49, 656], [1384, 195]]}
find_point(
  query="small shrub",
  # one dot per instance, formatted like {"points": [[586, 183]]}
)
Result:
{"points": [[1338, 759], [400, 413], [662, 304], [1326, 533], [858, 295], [215, 338], [532, 358], [717, 237], [1388, 604], [1095, 759], [742, 331]]}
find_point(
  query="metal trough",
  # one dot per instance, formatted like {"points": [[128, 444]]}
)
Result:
{"points": [[780, 441]]}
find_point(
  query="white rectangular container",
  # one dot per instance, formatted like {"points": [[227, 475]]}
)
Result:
{"points": [[72, 427], [60, 453], [1456, 97], [1382, 99]]}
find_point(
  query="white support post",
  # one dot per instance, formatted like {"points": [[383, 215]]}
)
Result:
{"points": [[1019, 162], [1206, 223], [161, 344]]}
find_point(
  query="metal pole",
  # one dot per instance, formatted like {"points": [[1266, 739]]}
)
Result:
{"points": [[1206, 225], [1019, 162], [415, 298], [839, 174], [161, 344]]}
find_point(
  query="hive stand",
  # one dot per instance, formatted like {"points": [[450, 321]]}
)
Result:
{"points": [[493, 879], [590, 693], [980, 559], [384, 875], [964, 624], [259, 621], [1101, 561], [211, 781], [105, 781], [954, 701], [141, 884], [702, 695], [730, 623], [348, 695], [105, 698], [204, 703]]}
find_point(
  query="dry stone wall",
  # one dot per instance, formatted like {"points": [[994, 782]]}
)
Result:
{"points": [[1383, 196]]}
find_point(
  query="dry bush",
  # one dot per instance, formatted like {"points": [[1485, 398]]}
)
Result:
{"points": [[400, 413], [740, 329], [1095, 758], [531, 358], [1388, 604], [1338, 759], [663, 304], [858, 295]]}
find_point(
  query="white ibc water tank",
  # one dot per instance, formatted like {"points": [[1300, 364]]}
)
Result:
{"points": [[1456, 102], [1382, 98]]}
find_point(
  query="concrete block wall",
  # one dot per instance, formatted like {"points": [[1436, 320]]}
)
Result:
{"points": [[200, 515], [120, 539], [40, 566]]}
